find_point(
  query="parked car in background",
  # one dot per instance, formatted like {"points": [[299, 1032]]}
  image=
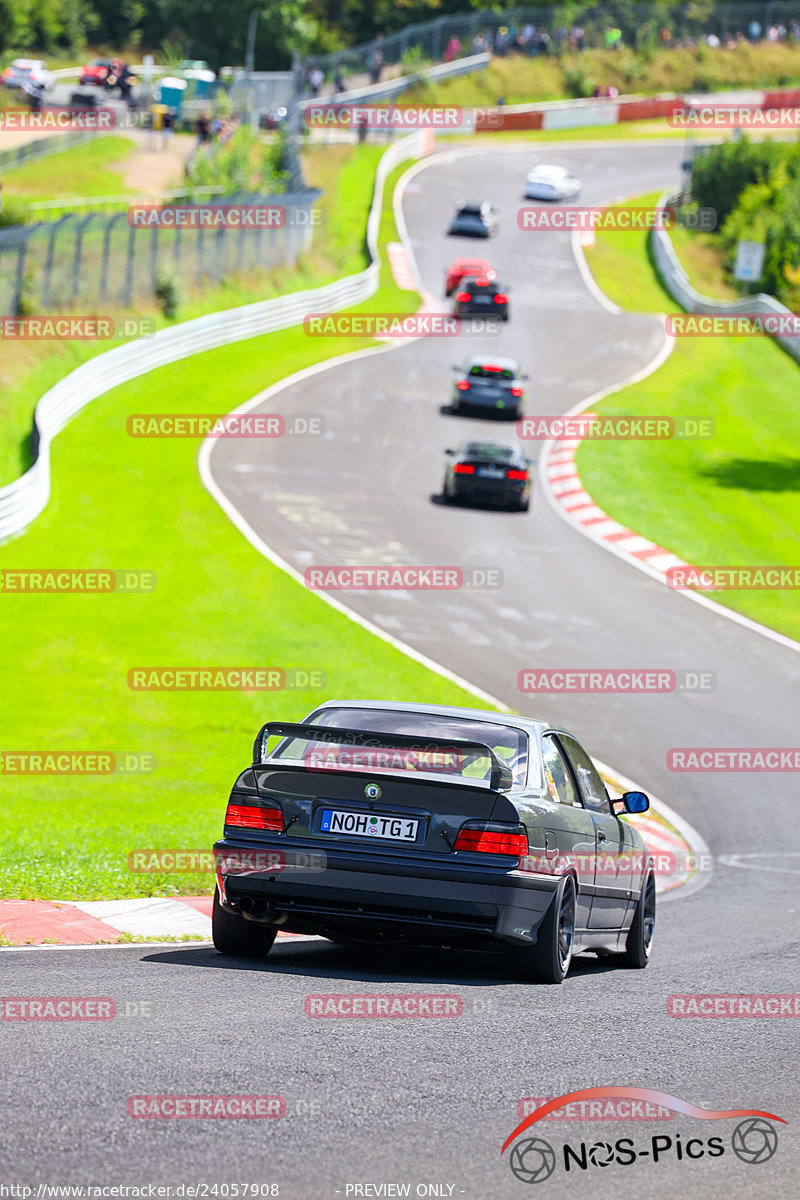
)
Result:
{"points": [[29, 74]]}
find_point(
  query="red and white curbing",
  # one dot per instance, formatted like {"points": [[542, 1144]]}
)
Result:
{"points": [[578, 507], [401, 268]]}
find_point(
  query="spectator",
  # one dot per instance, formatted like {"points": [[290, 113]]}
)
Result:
{"points": [[316, 78], [338, 81], [613, 38], [754, 31], [203, 130], [712, 40], [452, 50], [501, 41], [376, 61], [216, 128], [772, 34], [167, 128]]}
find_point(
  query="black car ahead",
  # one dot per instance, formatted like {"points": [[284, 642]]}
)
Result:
{"points": [[381, 822], [483, 297], [489, 385], [489, 472], [474, 220]]}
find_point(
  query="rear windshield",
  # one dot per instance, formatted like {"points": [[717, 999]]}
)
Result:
{"points": [[490, 450], [508, 743], [470, 210], [489, 371]]}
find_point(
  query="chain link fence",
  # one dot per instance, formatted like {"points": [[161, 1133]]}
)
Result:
{"points": [[97, 258], [637, 22]]}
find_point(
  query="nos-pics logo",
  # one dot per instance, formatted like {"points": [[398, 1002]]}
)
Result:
{"points": [[533, 1159]]}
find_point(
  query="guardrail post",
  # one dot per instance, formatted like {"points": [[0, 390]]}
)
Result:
{"points": [[154, 259], [127, 290], [48, 266], [106, 252], [76, 262], [19, 279]]}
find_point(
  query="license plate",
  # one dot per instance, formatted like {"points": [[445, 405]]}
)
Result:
{"points": [[481, 299], [368, 825], [491, 473]]}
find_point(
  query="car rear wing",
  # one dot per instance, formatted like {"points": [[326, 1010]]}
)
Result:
{"points": [[500, 779]]}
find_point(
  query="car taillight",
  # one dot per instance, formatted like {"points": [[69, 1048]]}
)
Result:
{"points": [[517, 390], [250, 816], [493, 841], [463, 297], [516, 474], [463, 469], [463, 385], [500, 298]]}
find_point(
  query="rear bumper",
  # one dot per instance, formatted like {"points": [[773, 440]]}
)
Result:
{"points": [[498, 491], [375, 897]]}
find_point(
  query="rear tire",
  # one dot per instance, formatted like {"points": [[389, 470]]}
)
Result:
{"points": [[548, 961], [640, 936], [232, 934]]}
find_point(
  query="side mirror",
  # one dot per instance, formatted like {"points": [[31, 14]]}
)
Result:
{"points": [[531, 462], [524, 375], [455, 367], [449, 451], [635, 802]]}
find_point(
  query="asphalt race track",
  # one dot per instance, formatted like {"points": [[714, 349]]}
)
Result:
{"points": [[430, 1102]]}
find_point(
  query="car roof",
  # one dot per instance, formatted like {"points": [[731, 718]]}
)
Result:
{"points": [[27, 63], [528, 725], [470, 206], [478, 360], [550, 169]]}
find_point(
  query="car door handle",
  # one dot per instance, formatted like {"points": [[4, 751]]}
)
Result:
{"points": [[601, 837]]}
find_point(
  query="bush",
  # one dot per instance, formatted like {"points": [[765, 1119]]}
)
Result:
{"points": [[166, 294], [721, 173], [14, 212]]}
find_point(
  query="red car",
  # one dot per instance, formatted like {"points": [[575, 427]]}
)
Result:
{"points": [[97, 72], [467, 267]]}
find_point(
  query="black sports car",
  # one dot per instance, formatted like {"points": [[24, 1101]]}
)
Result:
{"points": [[374, 821], [489, 472], [481, 297], [489, 385], [474, 220]]}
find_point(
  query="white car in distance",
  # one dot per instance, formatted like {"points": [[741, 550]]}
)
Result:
{"points": [[548, 182]]}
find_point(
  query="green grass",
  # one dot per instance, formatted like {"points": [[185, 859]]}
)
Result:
{"points": [[85, 170], [346, 175], [66, 657], [733, 499]]}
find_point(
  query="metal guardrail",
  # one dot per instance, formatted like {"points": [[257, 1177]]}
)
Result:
{"points": [[22, 501], [680, 288], [393, 87]]}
